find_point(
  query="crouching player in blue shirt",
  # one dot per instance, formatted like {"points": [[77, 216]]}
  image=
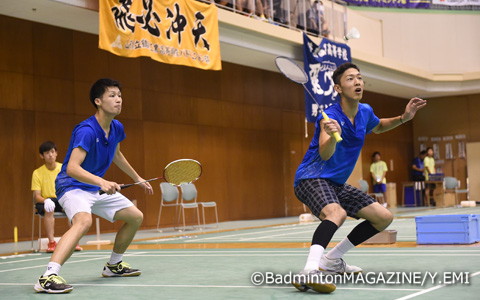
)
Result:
{"points": [[320, 178], [94, 145]]}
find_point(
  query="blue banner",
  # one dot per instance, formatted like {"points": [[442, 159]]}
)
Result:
{"points": [[319, 64], [392, 3]]}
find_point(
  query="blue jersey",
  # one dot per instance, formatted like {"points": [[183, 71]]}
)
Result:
{"points": [[339, 167], [419, 164], [89, 136]]}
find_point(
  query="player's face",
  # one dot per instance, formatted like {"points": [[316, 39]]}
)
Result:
{"points": [[49, 156], [111, 101], [351, 85]]}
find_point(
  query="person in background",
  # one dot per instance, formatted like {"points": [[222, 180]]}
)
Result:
{"points": [[378, 170], [418, 167], [43, 187], [418, 177], [429, 163]]}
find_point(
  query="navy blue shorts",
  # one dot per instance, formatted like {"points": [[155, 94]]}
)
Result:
{"points": [[380, 188], [318, 193], [41, 210]]}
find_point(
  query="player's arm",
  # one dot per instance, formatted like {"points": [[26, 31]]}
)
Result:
{"points": [[414, 166], [411, 109], [37, 197], [121, 162], [326, 140], [75, 170]]}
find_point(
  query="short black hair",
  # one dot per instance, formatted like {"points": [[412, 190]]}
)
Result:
{"points": [[100, 86], [375, 153], [423, 152], [47, 146], [341, 69], [428, 148]]}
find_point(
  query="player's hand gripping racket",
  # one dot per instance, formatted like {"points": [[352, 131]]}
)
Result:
{"points": [[177, 172], [296, 74]]}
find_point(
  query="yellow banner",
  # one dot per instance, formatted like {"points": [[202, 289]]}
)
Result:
{"points": [[181, 32]]}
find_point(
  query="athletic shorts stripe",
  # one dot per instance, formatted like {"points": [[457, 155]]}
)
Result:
{"points": [[317, 193]]}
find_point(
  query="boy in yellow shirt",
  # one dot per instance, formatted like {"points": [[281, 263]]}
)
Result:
{"points": [[429, 163], [43, 187], [378, 170]]}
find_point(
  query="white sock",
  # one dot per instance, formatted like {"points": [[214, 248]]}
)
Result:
{"points": [[115, 258], [313, 260], [340, 249], [52, 268]]}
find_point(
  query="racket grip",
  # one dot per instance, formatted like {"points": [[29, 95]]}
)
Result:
{"points": [[101, 192], [336, 135]]}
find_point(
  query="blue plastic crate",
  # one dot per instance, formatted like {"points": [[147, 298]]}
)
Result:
{"points": [[448, 229]]}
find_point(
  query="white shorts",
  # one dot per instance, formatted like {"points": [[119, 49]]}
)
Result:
{"points": [[105, 206]]}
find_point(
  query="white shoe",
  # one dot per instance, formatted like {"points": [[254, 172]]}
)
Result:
{"points": [[385, 204], [337, 265]]}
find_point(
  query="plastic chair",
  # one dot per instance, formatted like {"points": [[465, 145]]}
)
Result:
{"points": [[170, 198], [189, 200], [56, 215], [364, 187], [204, 205], [452, 183]]}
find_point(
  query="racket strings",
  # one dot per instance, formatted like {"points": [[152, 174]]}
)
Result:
{"points": [[182, 172], [291, 70]]}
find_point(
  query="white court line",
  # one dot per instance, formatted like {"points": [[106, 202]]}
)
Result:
{"points": [[68, 262], [430, 289], [269, 236], [44, 265], [205, 286], [304, 250], [237, 234], [86, 253], [284, 228], [19, 255], [295, 254], [24, 260], [244, 255]]}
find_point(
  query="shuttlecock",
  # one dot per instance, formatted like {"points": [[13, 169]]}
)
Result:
{"points": [[353, 33]]}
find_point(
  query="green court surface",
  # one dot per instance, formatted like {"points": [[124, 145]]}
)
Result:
{"points": [[226, 274], [220, 264]]}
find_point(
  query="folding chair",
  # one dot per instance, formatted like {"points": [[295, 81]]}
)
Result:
{"points": [[56, 215], [211, 204], [170, 198], [189, 200], [452, 183]]}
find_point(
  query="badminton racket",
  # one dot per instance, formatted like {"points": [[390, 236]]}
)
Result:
{"points": [[177, 172], [296, 74]]}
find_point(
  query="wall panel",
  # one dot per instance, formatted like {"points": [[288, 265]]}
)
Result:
{"points": [[246, 126]]}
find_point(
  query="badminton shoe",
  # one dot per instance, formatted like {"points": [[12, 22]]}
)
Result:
{"points": [[338, 266], [314, 279], [78, 248], [52, 284], [120, 269], [51, 246]]}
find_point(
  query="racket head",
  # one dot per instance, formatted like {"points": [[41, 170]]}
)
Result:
{"points": [[291, 70], [182, 171]]}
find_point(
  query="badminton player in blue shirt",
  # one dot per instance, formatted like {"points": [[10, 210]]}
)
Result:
{"points": [[320, 181], [94, 145]]}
